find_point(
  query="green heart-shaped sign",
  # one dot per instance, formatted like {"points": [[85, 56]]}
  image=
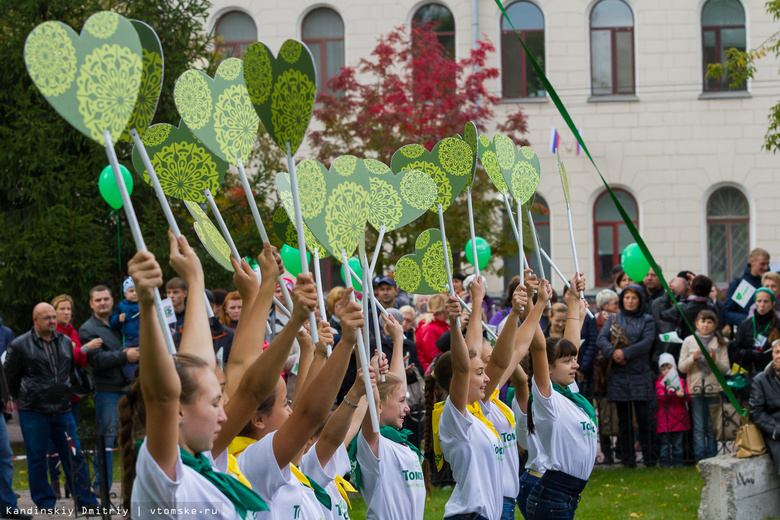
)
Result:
{"points": [[397, 200], [470, 137], [285, 229], [93, 79], [334, 204], [449, 164], [183, 165], [218, 111], [423, 272], [520, 168], [151, 80], [489, 159], [282, 90], [209, 236]]}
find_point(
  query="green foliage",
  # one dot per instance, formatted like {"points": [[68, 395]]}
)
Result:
{"points": [[56, 235], [741, 66]]}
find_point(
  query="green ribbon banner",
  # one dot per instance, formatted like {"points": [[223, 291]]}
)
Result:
{"points": [[634, 233]]}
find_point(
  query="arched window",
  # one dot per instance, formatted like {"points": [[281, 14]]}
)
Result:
{"points": [[443, 24], [541, 213], [722, 28], [611, 48], [611, 233], [235, 32], [728, 241], [323, 33], [518, 79]]}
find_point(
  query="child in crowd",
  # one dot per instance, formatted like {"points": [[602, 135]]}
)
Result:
{"points": [[702, 382], [125, 320], [672, 414]]}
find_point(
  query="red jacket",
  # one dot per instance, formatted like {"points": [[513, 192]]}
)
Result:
{"points": [[672, 414], [426, 337], [79, 358]]}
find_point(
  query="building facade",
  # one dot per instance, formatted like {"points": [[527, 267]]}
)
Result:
{"points": [[683, 152]]}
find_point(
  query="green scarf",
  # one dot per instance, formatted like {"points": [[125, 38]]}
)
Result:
{"points": [[306, 481], [578, 399], [243, 498], [388, 432]]}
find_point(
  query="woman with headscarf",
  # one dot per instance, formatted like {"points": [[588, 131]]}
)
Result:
{"points": [[751, 348]]}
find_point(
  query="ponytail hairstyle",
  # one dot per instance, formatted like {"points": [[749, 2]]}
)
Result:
{"points": [[557, 348], [132, 416], [265, 408]]}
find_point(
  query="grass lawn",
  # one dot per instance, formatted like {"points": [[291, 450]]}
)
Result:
{"points": [[649, 493], [21, 478]]}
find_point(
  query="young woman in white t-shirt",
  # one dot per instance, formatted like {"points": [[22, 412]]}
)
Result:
{"points": [[459, 432], [387, 468], [180, 400], [565, 421], [275, 435]]}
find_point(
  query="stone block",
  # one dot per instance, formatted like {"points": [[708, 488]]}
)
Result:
{"points": [[744, 489]]}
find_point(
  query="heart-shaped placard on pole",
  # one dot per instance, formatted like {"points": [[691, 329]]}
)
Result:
{"points": [[218, 111], [449, 164], [489, 159], [397, 200], [92, 79], [285, 230], [423, 271], [151, 80], [470, 137], [209, 236], [334, 204], [184, 167], [520, 168], [282, 90]]}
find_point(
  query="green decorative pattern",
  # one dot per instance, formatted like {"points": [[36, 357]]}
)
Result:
{"points": [[397, 200], [230, 129], [311, 187], [282, 90], [417, 189], [92, 79], [386, 205], [102, 25], [285, 229], [209, 236], [346, 213], [345, 165], [470, 137], [423, 272], [506, 151], [51, 58], [449, 164], [184, 167], [151, 81], [106, 92], [509, 168]]}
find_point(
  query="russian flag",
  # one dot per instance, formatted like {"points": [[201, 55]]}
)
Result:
{"points": [[555, 139]]}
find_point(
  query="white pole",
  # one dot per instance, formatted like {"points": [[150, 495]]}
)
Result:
{"points": [[471, 229], [560, 274], [518, 237], [259, 223], [221, 224], [138, 238], [299, 229], [320, 298], [445, 249], [573, 247], [374, 313], [363, 360], [378, 248], [484, 325]]}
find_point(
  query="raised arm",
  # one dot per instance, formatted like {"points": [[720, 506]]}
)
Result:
{"points": [[520, 380], [461, 364], [503, 352], [160, 383], [262, 376], [248, 341], [539, 348], [574, 306], [196, 322], [474, 329], [396, 331], [320, 356], [318, 397]]}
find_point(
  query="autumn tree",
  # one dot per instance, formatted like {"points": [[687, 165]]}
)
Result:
{"points": [[410, 91]]}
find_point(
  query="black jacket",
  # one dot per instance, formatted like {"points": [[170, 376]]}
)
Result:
{"points": [[31, 381], [765, 410], [106, 362], [743, 351]]}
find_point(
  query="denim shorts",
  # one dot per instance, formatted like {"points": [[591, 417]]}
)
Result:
{"points": [[555, 497]]}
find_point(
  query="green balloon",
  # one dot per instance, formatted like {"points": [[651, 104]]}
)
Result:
{"points": [[634, 262], [292, 259], [108, 188], [354, 264], [483, 252]]}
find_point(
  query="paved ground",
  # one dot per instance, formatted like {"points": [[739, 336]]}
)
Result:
{"points": [[65, 505]]}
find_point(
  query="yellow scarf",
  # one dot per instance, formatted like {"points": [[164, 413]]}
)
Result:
{"points": [[508, 413], [237, 445], [344, 488], [474, 408]]}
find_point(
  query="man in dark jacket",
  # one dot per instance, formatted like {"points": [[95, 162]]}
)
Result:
{"points": [[8, 503], [6, 336], [106, 363], [765, 405], [38, 367], [758, 264]]}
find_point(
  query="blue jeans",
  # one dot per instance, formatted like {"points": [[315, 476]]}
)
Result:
{"points": [[38, 429], [53, 461], [671, 449], [472, 516], [555, 497], [107, 421], [508, 513], [527, 483], [7, 495], [704, 445]]}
